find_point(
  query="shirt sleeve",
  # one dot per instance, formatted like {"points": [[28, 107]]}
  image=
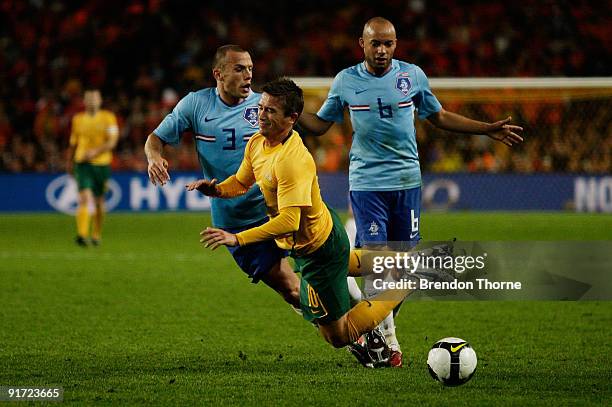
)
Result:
{"points": [[113, 128], [231, 188], [294, 181], [333, 107], [425, 101], [287, 221], [245, 174], [179, 120]]}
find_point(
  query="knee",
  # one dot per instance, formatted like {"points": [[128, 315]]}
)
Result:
{"points": [[292, 296], [83, 200]]}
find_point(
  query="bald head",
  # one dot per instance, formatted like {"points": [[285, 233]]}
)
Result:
{"points": [[378, 25], [378, 42]]}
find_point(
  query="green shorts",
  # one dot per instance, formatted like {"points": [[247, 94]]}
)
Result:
{"points": [[324, 294], [94, 177]]}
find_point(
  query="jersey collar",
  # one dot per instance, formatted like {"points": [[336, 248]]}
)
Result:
{"points": [[288, 135], [222, 101], [365, 69]]}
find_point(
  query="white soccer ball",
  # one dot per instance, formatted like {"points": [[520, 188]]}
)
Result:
{"points": [[452, 361]]}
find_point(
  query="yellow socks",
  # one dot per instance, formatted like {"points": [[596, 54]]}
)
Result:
{"points": [[96, 233], [355, 269], [366, 315], [82, 221], [360, 267]]}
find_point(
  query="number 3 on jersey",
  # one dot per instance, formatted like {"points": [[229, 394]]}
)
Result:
{"points": [[231, 139]]}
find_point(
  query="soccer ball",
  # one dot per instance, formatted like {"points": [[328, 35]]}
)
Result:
{"points": [[451, 361]]}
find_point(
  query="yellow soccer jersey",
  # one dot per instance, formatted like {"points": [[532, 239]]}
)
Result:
{"points": [[91, 132], [287, 176]]}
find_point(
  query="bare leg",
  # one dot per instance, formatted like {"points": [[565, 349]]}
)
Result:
{"points": [[282, 279], [336, 332]]}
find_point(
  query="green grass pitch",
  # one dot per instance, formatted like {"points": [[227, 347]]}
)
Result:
{"points": [[150, 317]]}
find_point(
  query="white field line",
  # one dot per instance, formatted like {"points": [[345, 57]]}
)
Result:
{"points": [[90, 254]]}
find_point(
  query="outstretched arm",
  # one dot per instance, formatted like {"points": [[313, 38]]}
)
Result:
{"points": [[287, 221], [310, 123], [236, 185], [500, 131], [230, 188], [158, 166]]}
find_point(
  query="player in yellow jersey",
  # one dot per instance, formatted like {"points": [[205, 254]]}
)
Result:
{"points": [[93, 136], [276, 159]]}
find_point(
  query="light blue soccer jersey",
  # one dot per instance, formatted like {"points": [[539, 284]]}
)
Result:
{"points": [[384, 154], [221, 132]]}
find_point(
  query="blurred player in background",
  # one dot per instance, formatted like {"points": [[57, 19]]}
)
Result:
{"points": [[222, 120], [93, 136], [382, 95], [277, 160]]}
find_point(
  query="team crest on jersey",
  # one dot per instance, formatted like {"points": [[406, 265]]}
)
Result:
{"points": [[250, 115], [403, 83], [373, 229]]}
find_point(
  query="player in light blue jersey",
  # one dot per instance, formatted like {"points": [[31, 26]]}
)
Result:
{"points": [[382, 95], [222, 120]]}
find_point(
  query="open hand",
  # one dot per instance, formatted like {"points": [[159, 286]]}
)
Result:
{"points": [[205, 186], [158, 171], [90, 154], [504, 132], [213, 238]]}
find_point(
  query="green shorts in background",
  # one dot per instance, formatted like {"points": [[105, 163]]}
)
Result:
{"points": [[324, 294], [94, 177]]}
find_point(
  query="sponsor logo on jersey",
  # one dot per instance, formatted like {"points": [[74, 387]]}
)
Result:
{"points": [[403, 83], [250, 115]]}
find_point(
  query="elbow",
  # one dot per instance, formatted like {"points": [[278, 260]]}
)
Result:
{"points": [[154, 140], [440, 119], [322, 128], [312, 125], [293, 225], [294, 220], [150, 139], [147, 143]]}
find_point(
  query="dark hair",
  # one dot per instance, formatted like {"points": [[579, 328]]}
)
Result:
{"points": [[290, 94], [222, 51]]}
